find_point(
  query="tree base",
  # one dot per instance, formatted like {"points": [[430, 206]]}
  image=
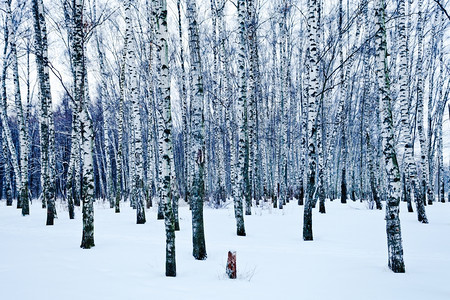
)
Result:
{"points": [[241, 232], [322, 208], [87, 243], [397, 267]]}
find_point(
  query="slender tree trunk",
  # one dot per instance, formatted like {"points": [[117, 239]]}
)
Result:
{"points": [[184, 107], [394, 238], [137, 190], [166, 141], [197, 135], [368, 113], [407, 142], [342, 119], [425, 184], [106, 109], [312, 116], [320, 150], [45, 113], [241, 115], [284, 99], [254, 96], [120, 158], [304, 128], [8, 190], [6, 130], [87, 134], [23, 130]]}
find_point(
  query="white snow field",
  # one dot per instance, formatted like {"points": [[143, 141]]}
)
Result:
{"points": [[346, 260]]}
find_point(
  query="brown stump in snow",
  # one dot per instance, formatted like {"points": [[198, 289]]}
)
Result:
{"points": [[231, 265]]}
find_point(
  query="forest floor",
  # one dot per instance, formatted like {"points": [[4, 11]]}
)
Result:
{"points": [[346, 260]]}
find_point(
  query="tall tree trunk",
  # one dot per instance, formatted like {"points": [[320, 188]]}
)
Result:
{"points": [[342, 119], [424, 160], [166, 141], [394, 238], [184, 107], [121, 119], [197, 135], [136, 158], [312, 116], [73, 176], [219, 190], [23, 130], [406, 139], [41, 49], [7, 134], [304, 92], [241, 115], [284, 100], [226, 100], [320, 154], [7, 187], [106, 109], [368, 113], [87, 133], [254, 96]]}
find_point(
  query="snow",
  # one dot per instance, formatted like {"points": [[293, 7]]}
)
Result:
{"points": [[346, 260]]}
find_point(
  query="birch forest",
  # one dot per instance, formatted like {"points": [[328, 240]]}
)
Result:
{"points": [[163, 104]]}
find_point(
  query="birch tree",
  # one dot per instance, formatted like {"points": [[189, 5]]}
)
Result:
{"points": [[312, 116], [241, 114], [166, 140], [410, 165], [197, 131], [41, 49], [106, 110], [394, 238], [23, 130], [136, 160], [87, 134], [424, 162]]}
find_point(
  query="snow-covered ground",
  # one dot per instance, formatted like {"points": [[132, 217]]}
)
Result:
{"points": [[347, 259]]}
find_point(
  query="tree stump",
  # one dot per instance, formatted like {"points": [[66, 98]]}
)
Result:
{"points": [[231, 265]]}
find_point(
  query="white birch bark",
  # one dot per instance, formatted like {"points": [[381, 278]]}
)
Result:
{"points": [[8, 142], [106, 109], [394, 238], [197, 135], [284, 100], [166, 141], [184, 107], [424, 162], [312, 116], [406, 138], [87, 134], [241, 115], [7, 168], [137, 190], [23, 130], [46, 123]]}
